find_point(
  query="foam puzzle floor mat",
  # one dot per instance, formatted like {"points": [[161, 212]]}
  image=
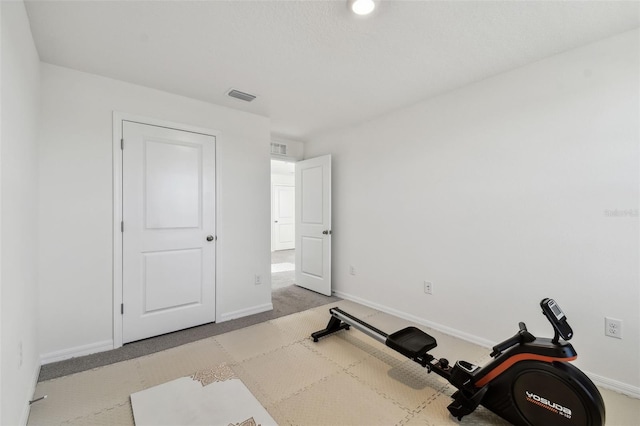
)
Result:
{"points": [[345, 379]]}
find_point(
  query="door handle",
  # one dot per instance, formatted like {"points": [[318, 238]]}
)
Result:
{"points": [[210, 238], [327, 232]]}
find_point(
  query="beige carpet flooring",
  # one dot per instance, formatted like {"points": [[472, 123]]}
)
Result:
{"points": [[283, 268], [345, 379]]}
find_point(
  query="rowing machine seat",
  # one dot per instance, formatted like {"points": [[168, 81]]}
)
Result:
{"points": [[411, 342]]}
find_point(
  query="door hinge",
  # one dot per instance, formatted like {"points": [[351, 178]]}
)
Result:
{"points": [[122, 143], [122, 226], [122, 309]]}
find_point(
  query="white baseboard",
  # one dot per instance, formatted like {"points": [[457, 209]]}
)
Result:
{"points": [[245, 312], [614, 385], [89, 349], [436, 326], [24, 418], [601, 381]]}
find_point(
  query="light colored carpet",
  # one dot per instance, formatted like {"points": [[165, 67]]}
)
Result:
{"points": [[282, 280], [285, 301], [344, 379], [282, 267], [282, 256]]}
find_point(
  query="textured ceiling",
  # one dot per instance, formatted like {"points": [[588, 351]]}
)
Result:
{"points": [[314, 66]]}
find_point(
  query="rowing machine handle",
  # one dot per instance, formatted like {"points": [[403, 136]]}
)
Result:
{"points": [[522, 336]]}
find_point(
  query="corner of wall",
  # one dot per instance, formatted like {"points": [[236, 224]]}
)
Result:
{"points": [[20, 124], [24, 418]]}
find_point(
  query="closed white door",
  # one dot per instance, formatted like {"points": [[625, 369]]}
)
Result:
{"points": [[168, 240], [284, 235], [313, 224]]}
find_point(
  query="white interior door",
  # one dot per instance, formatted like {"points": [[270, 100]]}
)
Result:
{"points": [[284, 234], [168, 240], [313, 224]]}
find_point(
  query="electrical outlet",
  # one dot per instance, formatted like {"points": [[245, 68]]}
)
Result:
{"points": [[258, 280], [613, 327], [428, 287], [352, 270], [20, 354]]}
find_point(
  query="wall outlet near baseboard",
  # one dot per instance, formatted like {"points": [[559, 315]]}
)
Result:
{"points": [[352, 269], [613, 327], [428, 287], [258, 279]]}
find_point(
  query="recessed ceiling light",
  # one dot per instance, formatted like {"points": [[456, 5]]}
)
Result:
{"points": [[362, 7]]}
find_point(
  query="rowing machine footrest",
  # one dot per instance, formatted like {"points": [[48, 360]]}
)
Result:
{"points": [[465, 402], [411, 342]]}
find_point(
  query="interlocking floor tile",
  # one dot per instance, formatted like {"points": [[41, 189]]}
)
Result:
{"points": [[339, 400], [620, 409], [254, 341], [181, 361], [83, 394], [346, 378], [404, 382], [120, 415], [348, 306], [302, 324], [283, 372], [344, 348], [435, 413]]}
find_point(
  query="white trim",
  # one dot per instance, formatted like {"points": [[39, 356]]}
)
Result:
{"points": [[219, 232], [117, 235], [117, 115], [614, 385], [118, 118], [61, 355], [245, 312], [436, 326], [24, 418], [601, 381]]}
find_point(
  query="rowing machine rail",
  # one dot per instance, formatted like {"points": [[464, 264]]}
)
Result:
{"points": [[528, 381]]}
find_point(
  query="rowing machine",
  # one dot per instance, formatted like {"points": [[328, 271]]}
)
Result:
{"points": [[528, 381]]}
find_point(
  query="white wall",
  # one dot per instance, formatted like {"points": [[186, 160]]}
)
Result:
{"points": [[20, 100], [76, 204], [498, 193], [1, 119]]}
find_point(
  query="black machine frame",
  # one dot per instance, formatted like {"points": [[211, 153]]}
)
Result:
{"points": [[528, 381]]}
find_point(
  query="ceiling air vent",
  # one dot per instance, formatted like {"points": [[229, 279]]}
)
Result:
{"points": [[241, 95], [278, 148]]}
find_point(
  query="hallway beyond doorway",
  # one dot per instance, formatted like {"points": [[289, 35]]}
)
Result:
{"points": [[283, 270]]}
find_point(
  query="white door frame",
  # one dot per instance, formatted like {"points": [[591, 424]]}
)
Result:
{"points": [[118, 118]]}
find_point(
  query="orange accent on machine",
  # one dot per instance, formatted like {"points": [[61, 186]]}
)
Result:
{"points": [[514, 359]]}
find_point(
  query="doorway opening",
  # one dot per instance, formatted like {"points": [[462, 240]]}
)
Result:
{"points": [[283, 232], [148, 153]]}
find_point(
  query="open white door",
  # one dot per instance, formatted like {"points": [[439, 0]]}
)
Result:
{"points": [[283, 217], [313, 224], [168, 239]]}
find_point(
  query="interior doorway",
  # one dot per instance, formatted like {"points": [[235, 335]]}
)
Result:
{"points": [[163, 235], [282, 224]]}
